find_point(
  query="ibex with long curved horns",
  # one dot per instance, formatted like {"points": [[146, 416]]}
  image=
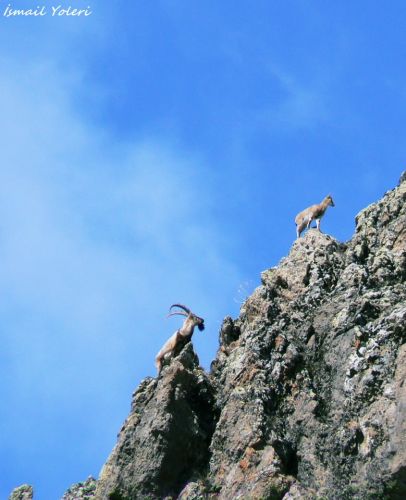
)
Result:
{"points": [[315, 212], [184, 332]]}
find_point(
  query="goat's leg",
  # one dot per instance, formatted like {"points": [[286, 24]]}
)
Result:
{"points": [[300, 227], [167, 348], [158, 363]]}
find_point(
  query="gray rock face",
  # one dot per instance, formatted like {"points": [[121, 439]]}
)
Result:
{"points": [[306, 397], [311, 395], [166, 438]]}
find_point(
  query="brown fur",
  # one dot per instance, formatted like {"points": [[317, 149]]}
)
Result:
{"points": [[185, 332], [315, 212]]}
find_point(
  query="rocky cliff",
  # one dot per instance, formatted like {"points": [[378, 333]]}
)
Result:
{"points": [[306, 397]]}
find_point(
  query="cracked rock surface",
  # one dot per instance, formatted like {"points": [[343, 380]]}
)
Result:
{"points": [[311, 395]]}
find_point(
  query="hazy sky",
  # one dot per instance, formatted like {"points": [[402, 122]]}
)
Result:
{"points": [[157, 152]]}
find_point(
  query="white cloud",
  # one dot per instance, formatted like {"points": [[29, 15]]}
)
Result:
{"points": [[304, 104], [96, 240]]}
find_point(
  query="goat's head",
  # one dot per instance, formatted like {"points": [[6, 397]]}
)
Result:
{"points": [[197, 321], [330, 201]]}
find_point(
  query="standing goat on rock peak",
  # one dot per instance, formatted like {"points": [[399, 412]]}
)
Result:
{"points": [[184, 332], [315, 212]]}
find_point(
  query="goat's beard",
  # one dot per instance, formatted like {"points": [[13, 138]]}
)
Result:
{"points": [[200, 327]]}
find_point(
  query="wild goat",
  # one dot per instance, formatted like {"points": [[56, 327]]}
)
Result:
{"points": [[315, 212], [184, 332]]}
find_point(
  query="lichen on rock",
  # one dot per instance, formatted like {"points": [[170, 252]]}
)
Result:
{"points": [[23, 492], [78, 491]]}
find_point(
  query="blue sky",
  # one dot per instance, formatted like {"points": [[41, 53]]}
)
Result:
{"points": [[157, 152]]}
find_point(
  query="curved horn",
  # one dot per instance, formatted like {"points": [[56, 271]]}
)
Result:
{"points": [[181, 313], [182, 307]]}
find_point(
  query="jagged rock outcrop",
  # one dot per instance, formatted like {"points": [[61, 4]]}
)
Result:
{"points": [[311, 395], [83, 491], [23, 492], [306, 397], [165, 440]]}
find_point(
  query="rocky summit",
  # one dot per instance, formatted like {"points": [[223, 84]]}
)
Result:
{"points": [[306, 398]]}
